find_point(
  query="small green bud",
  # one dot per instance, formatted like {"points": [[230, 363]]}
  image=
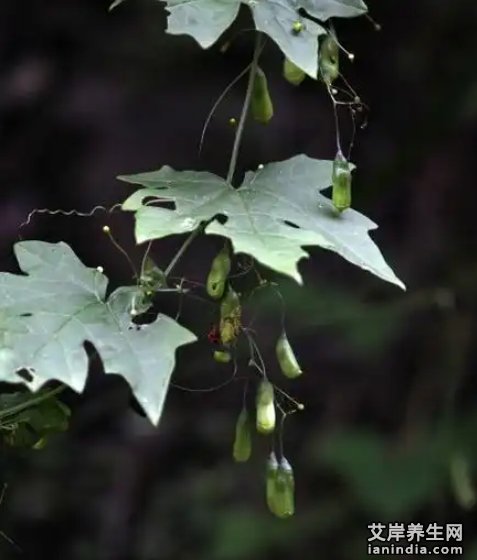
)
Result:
{"points": [[222, 357], [297, 27]]}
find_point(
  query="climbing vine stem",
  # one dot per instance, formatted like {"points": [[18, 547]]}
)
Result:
{"points": [[183, 248], [243, 116], [235, 150]]}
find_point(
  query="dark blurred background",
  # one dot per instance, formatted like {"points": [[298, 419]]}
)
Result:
{"points": [[390, 385]]}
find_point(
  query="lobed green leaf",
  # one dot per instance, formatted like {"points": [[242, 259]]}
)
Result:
{"points": [[47, 314], [276, 212], [206, 20]]}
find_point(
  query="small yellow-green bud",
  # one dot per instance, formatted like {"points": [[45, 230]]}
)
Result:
{"points": [[297, 27], [222, 356]]}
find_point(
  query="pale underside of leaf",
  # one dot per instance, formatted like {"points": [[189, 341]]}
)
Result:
{"points": [[276, 18], [48, 314], [206, 20], [276, 212], [325, 9]]}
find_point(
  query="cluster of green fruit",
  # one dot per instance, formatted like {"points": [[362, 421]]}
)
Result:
{"points": [[279, 474], [261, 106]]}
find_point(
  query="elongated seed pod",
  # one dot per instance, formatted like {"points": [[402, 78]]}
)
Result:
{"points": [[286, 358], [292, 73], [261, 105], [219, 271], [230, 316], [222, 356], [266, 415], [230, 303], [341, 180], [243, 438], [271, 473], [329, 59], [461, 481], [284, 495], [215, 284], [228, 332]]}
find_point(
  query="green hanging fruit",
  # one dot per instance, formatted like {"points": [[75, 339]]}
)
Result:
{"points": [[461, 481], [230, 303], [230, 317], [266, 415], [284, 495], [222, 357], [329, 59], [292, 73], [341, 180], [271, 474], [286, 358], [228, 333], [219, 271], [243, 438], [261, 105]]}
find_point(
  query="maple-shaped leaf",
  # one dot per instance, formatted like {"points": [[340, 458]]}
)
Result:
{"points": [[206, 20], [272, 216], [47, 314]]}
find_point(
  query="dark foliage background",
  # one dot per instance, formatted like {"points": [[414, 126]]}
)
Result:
{"points": [[390, 377]]}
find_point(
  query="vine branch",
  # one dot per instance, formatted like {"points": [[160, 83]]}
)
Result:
{"points": [[246, 104], [183, 248], [235, 150]]}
